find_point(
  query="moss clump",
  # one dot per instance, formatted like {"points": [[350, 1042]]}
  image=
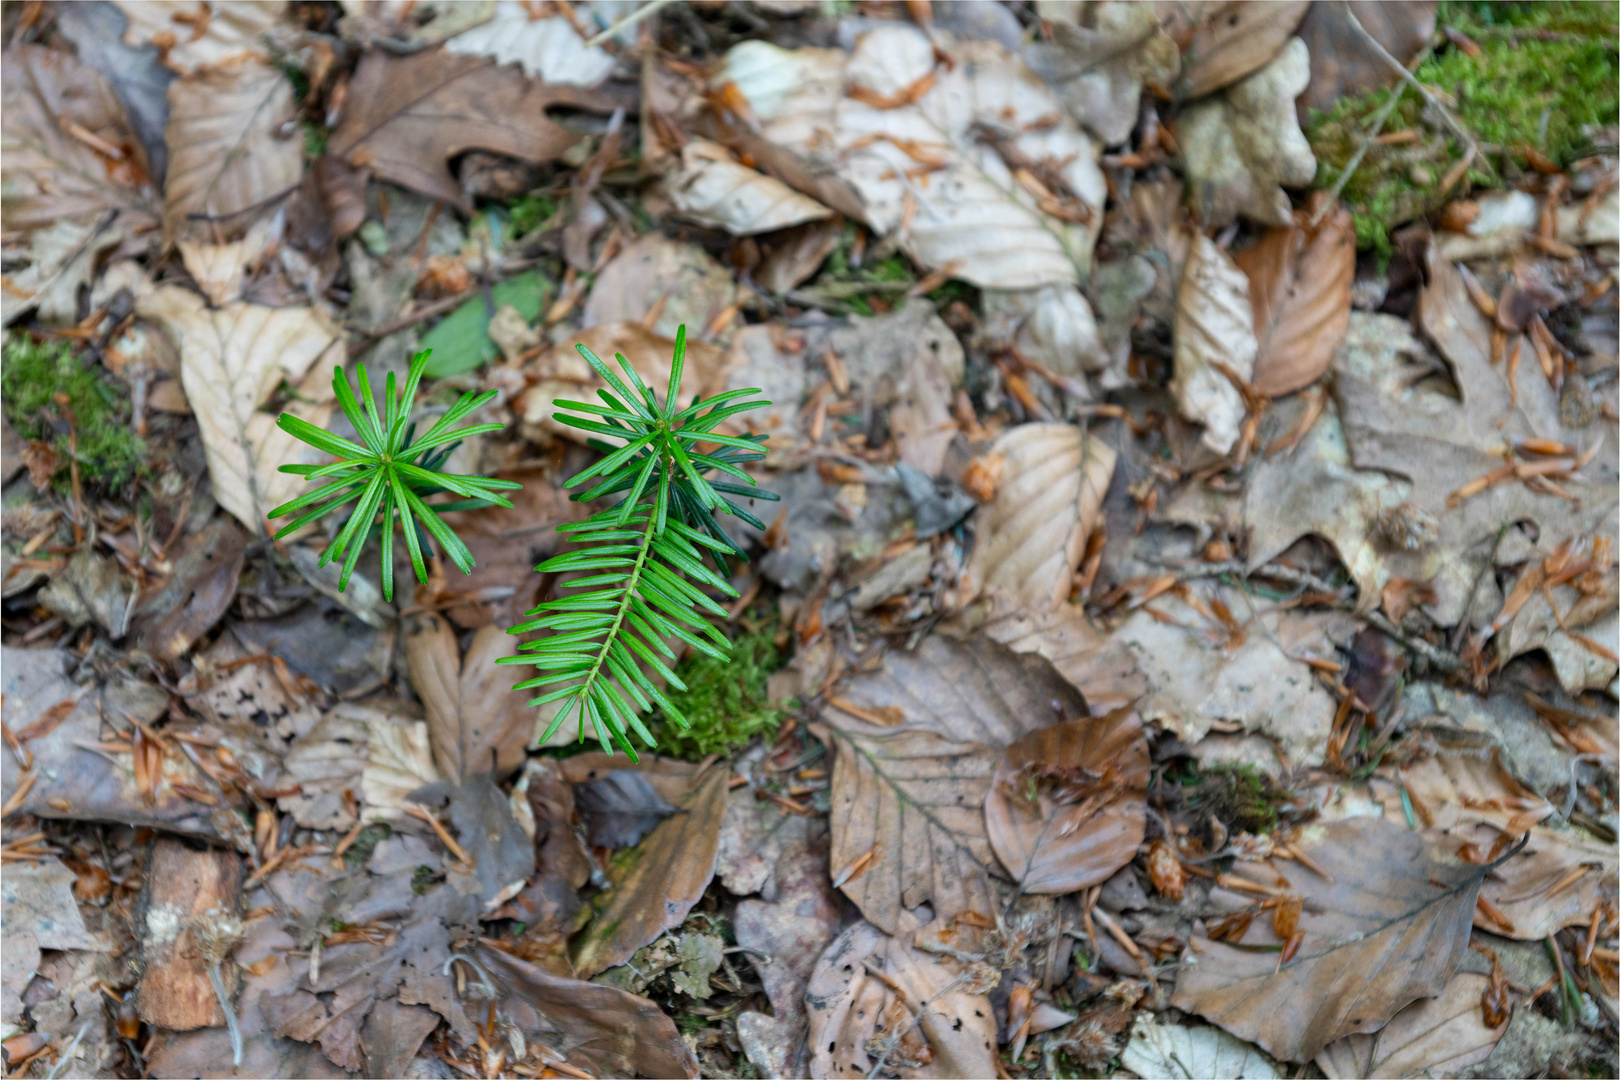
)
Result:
{"points": [[33, 374], [532, 210], [1243, 798], [1523, 90], [725, 703]]}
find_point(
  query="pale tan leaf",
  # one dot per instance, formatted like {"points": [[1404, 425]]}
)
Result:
{"points": [[1224, 40], [1214, 325], [1032, 534], [1299, 286], [219, 269], [1052, 325], [909, 799], [399, 759], [1192, 1053], [1101, 68], [853, 1011], [890, 110], [1065, 808], [195, 34], [1388, 928], [228, 150], [550, 49], [232, 360], [325, 762], [714, 189], [1244, 147], [682, 281], [665, 875], [1437, 1036], [48, 173], [64, 259]]}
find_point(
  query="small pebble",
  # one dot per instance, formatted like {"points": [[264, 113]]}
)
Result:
{"points": [[1421, 176]]}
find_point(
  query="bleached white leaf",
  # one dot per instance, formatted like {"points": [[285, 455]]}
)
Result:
{"points": [[1052, 325], [399, 759], [1192, 1053], [219, 269], [1214, 325], [548, 48], [1100, 68], [714, 189], [196, 34]]}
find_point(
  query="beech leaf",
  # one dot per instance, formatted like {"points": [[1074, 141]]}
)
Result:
{"points": [[1214, 325], [195, 34], [714, 189], [1192, 1053], [1224, 40], [1438, 1036], [549, 49]]}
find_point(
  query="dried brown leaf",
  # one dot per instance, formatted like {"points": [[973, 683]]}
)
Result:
{"points": [[1065, 808], [1032, 533], [408, 115], [1437, 1036], [1389, 927], [1343, 64], [476, 719], [1299, 286], [1224, 40]]}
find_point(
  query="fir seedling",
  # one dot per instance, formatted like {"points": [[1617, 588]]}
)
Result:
{"points": [[643, 557], [394, 472]]}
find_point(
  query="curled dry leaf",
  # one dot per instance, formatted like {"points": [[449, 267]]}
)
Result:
{"points": [[875, 116], [667, 281], [1065, 808], [908, 799], [227, 150], [661, 879], [1214, 325], [1224, 40], [1100, 69], [712, 188], [549, 49], [219, 269], [408, 115], [192, 35], [1299, 287], [864, 995], [1389, 925], [1192, 1053], [1437, 1036], [232, 360], [1244, 147], [1049, 500]]}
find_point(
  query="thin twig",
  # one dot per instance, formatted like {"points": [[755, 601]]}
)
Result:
{"points": [[628, 21], [1411, 80]]}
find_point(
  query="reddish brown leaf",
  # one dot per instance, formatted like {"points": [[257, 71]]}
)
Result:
{"points": [[1299, 287], [1223, 40]]}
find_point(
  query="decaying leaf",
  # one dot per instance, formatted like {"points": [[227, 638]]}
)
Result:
{"points": [[1299, 286], [1244, 147], [408, 115], [399, 759], [1224, 40], [206, 573], [1099, 666], [51, 175], [1052, 326], [1343, 64], [666, 281], [228, 151], [1433, 1037], [64, 258], [1190, 1053], [232, 360], [712, 188], [876, 1000], [909, 799], [1065, 807], [477, 721], [620, 807], [657, 882], [326, 762], [1032, 534], [193, 35], [219, 269], [38, 900], [1389, 925], [549, 48], [1214, 326], [1014, 194], [1101, 68]]}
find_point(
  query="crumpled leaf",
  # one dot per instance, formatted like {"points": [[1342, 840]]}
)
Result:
{"points": [[659, 881], [64, 260], [1100, 69], [324, 762], [408, 115], [1224, 40], [877, 115], [91, 589], [1031, 535], [1390, 926], [851, 1009], [550, 900], [1192, 1053], [908, 796], [219, 269], [549, 48], [232, 360], [712, 188], [227, 150], [1214, 325], [1343, 64], [38, 900], [1299, 286], [1243, 148], [48, 175], [1065, 807], [1436, 1036], [193, 35], [501, 853], [601, 1028], [477, 721]]}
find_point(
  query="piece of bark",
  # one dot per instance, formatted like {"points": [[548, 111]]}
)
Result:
{"points": [[183, 885]]}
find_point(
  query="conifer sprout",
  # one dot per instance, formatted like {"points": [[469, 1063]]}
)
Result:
{"points": [[394, 472], [642, 558]]}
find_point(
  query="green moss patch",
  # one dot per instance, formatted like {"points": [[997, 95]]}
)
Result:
{"points": [[1241, 797], [1546, 72], [34, 373], [725, 703]]}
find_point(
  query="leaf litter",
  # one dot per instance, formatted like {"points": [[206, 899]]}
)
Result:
{"points": [[1184, 634]]}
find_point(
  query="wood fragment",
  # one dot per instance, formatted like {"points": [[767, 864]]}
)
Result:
{"points": [[181, 885]]}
